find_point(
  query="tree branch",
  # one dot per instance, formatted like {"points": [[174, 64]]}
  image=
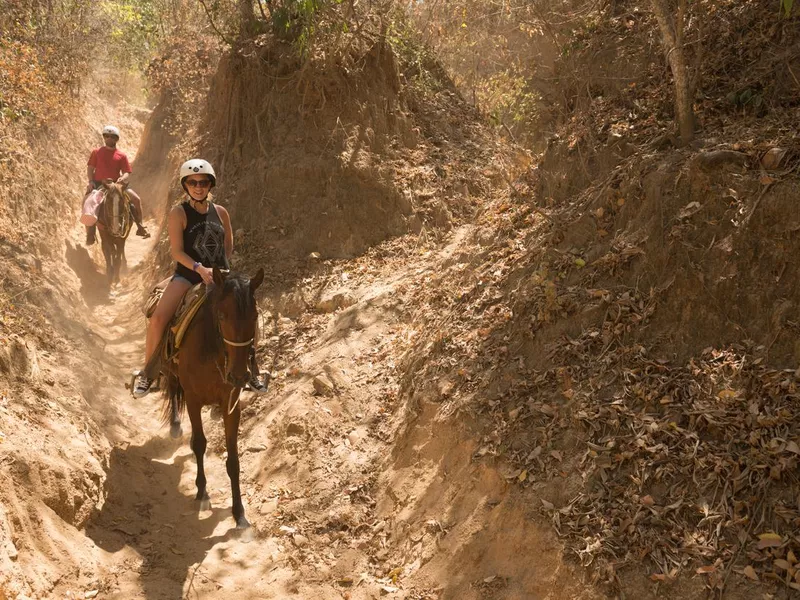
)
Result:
{"points": [[213, 25], [261, 9]]}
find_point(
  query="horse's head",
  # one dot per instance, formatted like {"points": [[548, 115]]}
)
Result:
{"points": [[115, 214], [234, 307], [114, 191]]}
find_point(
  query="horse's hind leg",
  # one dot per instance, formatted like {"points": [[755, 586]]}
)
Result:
{"points": [[232, 463], [175, 430], [199, 448]]}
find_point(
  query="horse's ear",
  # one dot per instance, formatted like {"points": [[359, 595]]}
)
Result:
{"points": [[124, 185], [219, 278], [257, 280]]}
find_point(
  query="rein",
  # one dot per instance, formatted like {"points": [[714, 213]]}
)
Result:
{"points": [[234, 390], [236, 344]]}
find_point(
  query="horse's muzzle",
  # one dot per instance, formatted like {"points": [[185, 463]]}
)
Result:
{"points": [[239, 381]]}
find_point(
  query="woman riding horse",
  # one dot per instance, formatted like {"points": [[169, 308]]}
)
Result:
{"points": [[200, 238]]}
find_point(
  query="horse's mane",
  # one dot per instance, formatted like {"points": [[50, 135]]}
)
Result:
{"points": [[236, 284], [115, 194]]}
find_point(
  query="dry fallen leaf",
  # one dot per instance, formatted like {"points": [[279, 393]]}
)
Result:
{"points": [[704, 570], [782, 564], [750, 573], [769, 540], [766, 180]]}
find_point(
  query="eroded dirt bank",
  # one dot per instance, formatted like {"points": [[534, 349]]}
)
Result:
{"points": [[351, 494], [487, 367]]}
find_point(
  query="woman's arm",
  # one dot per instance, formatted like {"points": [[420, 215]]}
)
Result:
{"points": [[226, 225]]}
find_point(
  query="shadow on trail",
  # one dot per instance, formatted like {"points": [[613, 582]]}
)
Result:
{"points": [[146, 511], [94, 284]]}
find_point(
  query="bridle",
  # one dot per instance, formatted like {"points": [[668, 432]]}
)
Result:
{"points": [[224, 369]]}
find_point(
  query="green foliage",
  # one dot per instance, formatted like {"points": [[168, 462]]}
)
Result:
{"points": [[46, 49], [509, 97], [415, 56], [746, 98], [786, 8], [492, 50], [131, 27]]}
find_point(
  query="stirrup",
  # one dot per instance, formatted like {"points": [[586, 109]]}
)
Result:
{"points": [[142, 232]]}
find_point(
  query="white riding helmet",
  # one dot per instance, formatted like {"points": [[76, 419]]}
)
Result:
{"points": [[197, 166], [110, 130]]}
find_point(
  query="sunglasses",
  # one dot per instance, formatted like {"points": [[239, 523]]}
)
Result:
{"points": [[203, 183], [111, 135]]}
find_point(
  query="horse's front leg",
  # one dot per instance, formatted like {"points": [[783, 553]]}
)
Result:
{"points": [[232, 463], [118, 250], [107, 254], [199, 448]]}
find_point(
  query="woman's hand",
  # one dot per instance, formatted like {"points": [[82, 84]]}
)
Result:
{"points": [[89, 188], [206, 273]]}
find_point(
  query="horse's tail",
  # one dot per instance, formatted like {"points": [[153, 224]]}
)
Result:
{"points": [[174, 401]]}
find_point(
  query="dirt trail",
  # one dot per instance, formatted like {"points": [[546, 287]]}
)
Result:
{"points": [[147, 537], [351, 492], [343, 503]]}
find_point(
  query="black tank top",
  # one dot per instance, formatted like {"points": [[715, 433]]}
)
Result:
{"points": [[203, 240]]}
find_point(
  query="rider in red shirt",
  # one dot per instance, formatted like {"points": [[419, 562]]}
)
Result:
{"points": [[107, 162]]}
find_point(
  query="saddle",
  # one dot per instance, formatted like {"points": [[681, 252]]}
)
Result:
{"points": [[169, 346]]}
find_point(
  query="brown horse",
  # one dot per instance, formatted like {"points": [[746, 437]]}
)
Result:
{"points": [[212, 370], [114, 219]]}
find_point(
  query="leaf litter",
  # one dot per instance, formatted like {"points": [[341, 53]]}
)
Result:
{"points": [[685, 467]]}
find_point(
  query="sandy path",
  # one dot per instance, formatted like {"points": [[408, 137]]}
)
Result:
{"points": [[153, 542], [345, 501]]}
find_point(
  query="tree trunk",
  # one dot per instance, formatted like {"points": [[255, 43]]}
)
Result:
{"points": [[247, 18], [673, 45]]}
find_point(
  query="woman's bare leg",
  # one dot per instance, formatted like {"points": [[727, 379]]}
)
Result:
{"points": [[163, 314]]}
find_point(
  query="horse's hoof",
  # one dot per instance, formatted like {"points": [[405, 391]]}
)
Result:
{"points": [[175, 431], [242, 523], [205, 504]]}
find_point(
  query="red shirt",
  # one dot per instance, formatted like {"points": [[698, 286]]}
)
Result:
{"points": [[108, 163]]}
